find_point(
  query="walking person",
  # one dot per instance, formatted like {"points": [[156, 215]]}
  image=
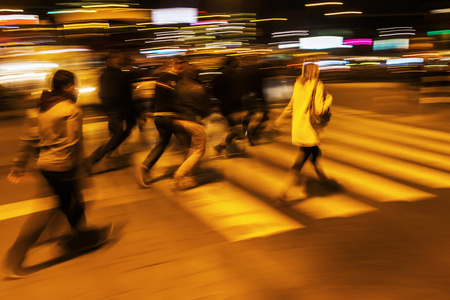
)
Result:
{"points": [[60, 137], [229, 88], [115, 92], [192, 105], [308, 91], [165, 113]]}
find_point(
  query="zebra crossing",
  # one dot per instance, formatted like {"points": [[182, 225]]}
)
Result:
{"points": [[376, 161]]}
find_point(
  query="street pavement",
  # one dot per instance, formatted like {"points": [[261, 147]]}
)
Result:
{"points": [[383, 235]]}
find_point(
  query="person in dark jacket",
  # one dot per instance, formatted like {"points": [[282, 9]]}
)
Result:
{"points": [[165, 113], [229, 88], [192, 103], [116, 96]]}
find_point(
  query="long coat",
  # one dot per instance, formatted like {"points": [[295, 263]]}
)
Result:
{"points": [[303, 134]]}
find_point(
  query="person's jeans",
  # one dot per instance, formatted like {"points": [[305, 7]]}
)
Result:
{"points": [[166, 128], [197, 147]]}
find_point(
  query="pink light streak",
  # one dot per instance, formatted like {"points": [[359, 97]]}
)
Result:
{"points": [[358, 42]]}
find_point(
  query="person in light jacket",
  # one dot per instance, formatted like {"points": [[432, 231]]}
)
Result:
{"points": [[58, 132], [304, 134]]}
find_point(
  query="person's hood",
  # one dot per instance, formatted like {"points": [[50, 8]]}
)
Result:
{"points": [[50, 98]]}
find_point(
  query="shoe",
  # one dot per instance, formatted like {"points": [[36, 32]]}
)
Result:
{"points": [[184, 183], [143, 176], [281, 201], [89, 239], [16, 273], [218, 148], [250, 138]]}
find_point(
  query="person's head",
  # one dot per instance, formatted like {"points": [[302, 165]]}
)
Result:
{"points": [[64, 82], [310, 72], [115, 59], [179, 64], [191, 72], [231, 62]]}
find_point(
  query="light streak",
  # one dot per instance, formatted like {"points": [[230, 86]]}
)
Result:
{"points": [[86, 90], [272, 19], [391, 28], [344, 13], [10, 10], [440, 11], [70, 11], [27, 66], [439, 32], [210, 22], [105, 5], [86, 25], [324, 3], [158, 28], [398, 33], [358, 42]]}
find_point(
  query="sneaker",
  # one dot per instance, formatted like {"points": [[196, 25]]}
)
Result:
{"points": [[89, 239], [143, 176], [218, 148], [15, 273], [184, 183]]}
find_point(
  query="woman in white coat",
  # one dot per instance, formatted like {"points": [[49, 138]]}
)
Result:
{"points": [[304, 134]]}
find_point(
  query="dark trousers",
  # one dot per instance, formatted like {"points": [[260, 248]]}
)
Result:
{"points": [[166, 128], [304, 154], [66, 186], [117, 131]]}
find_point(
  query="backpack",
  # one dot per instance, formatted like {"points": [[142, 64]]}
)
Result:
{"points": [[318, 120]]}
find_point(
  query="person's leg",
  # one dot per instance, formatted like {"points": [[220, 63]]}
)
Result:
{"points": [[115, 126], [29, 233], [235, 130], [165, 133], [196, 150], [293, 175], [67, 188], [315, 159]]}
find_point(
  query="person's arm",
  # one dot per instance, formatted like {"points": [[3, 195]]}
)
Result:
{"points": [[28, 146], [286, 111]]}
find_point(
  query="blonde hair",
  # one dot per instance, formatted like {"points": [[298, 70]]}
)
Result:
{"points": [[310, 71]]}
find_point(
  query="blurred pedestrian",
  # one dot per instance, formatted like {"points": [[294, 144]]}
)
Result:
{"points": [[60, 136], [165, 113], [192, 103], [254, 101], [229, 88], [308, 91], [115, 92]]}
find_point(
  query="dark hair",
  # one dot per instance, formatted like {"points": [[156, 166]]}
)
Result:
{"points": [[62, 79], [231, 61]]}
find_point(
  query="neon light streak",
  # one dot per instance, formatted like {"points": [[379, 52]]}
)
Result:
{"points": [[324, 3], [344, 13]]}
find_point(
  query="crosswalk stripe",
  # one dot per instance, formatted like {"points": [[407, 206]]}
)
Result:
{"points": [[338, 205], [384, 131], [22, 208], [233, 212], [389, 166], [419, 156], [332, 206], [357, 181], [356, 117]]}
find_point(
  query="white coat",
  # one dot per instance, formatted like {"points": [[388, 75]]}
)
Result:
{"points": [[303, 134]]}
